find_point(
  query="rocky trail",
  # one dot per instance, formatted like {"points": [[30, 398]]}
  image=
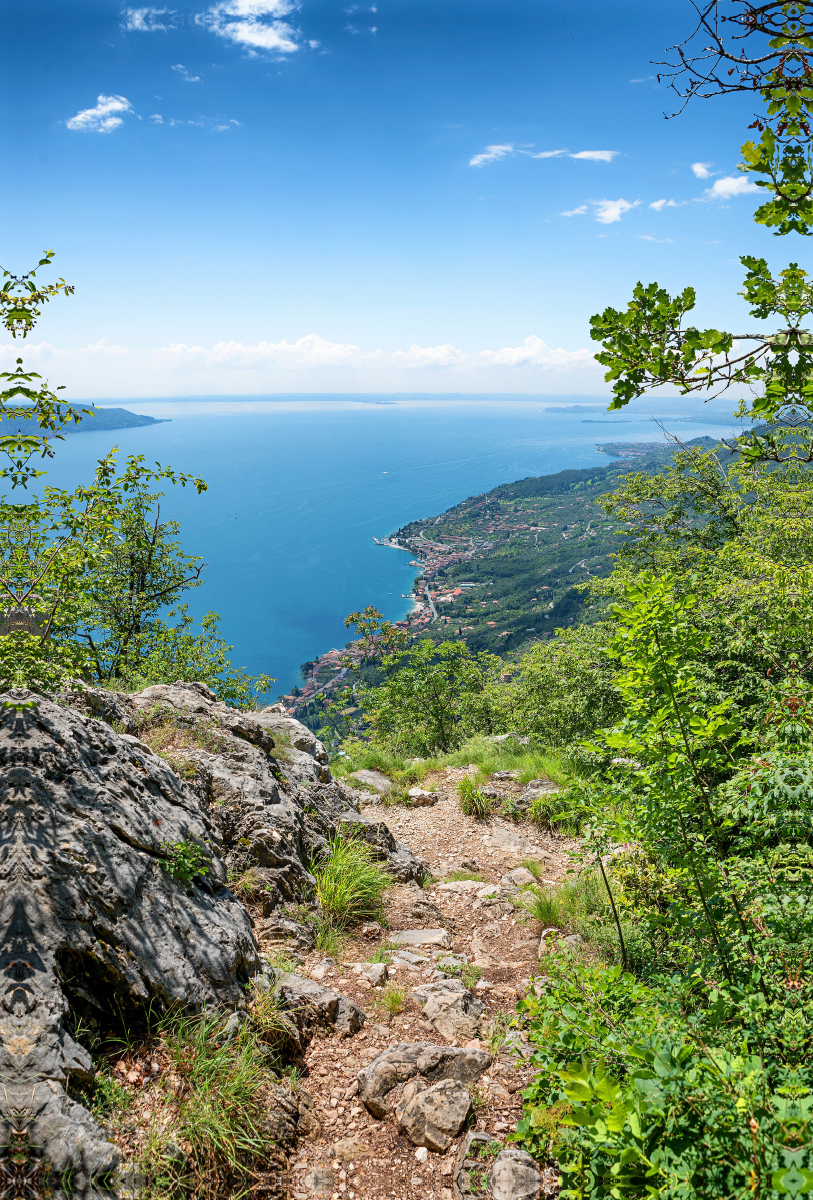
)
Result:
{"points": [[162, 848], [451, 924]]}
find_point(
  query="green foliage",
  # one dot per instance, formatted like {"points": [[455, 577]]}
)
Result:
{"points": [[467, 972], [105, 1097], [174, 652], [579, 905], [564, 688], [392, 999], [85, 574], [431, 698], [185, 860], [350, 884], [472, 801]]}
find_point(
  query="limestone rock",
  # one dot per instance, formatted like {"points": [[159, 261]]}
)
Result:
{"points": [[309, 1002], [519, 877], [348, 1150], [279, 930], [422, 937], [481, 956], [373, 779], [405, 1060], [374, 973], [264, 779], [432, 1115], [319, 1181], [424, 910], [515, 1176], [419, 796], [451, 962], [503, 837], [451, 1008], [400, 861], [92, 922]]}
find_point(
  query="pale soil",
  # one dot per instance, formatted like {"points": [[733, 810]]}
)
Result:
{"points": [[438, 834], [505, 944]]}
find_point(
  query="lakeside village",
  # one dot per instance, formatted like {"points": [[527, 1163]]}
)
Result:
{"points": [[326, 674]]}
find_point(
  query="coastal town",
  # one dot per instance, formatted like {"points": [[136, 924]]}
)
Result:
{"points": [[499, 571]]}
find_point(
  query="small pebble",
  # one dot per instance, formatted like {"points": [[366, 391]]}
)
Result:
{"points": [[422, 1154]]}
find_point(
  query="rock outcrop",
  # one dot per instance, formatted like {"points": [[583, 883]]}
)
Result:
{"points": [[406, 1060], [115, 858], [92, 920]]}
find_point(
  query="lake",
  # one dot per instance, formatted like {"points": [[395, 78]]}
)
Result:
{"points": [[299, 486]]}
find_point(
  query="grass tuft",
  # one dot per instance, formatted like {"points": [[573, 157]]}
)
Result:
{"points": [[393, 999], [472, 801], [272, 1026], [220, 1110], [350, 884], [579, 905]]}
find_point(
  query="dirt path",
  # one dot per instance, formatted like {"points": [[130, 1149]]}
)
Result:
{"points": [[355, 1155]]}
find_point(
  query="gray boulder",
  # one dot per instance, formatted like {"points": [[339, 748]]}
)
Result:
{"points": [[422, 937], [404, 1061], [313, 1004], [451, 1008], [92, 922], [432, 1115], [401, 862], [515, 1176], [264, 779]]}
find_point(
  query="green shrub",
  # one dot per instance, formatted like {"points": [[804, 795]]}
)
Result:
{"points": [[472, 801], [350, 884], [392, 999], [185, 860]]}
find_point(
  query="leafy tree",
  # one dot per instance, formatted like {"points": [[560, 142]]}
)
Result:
{"points": [[563, 688], [85, 573], [689, 1074], [143, 571], [432, 697]]}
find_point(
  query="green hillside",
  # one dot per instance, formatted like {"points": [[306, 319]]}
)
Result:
{"points": [[524, 546]]}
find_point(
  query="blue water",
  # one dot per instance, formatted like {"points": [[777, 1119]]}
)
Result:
{"points": [[298, 487]]}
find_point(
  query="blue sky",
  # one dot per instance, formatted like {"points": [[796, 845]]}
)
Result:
{"points": [[259, 196]]}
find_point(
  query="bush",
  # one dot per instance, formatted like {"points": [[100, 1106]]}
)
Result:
{"points": [[565, 688], [350, 884], [212, 1106], [472, 801], [185, 860]]}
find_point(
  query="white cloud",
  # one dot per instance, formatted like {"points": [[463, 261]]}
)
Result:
{"points": [[257, 24], [103, 118], [610, 211], [648, 237], [184, 74], [494, 153], [643, 79], [659, 205], [575, 212], [491, 154], [314, 351], [157, 118], [702, 170], [730, 185], [596, 155], [310, 364], [148, 20]]}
